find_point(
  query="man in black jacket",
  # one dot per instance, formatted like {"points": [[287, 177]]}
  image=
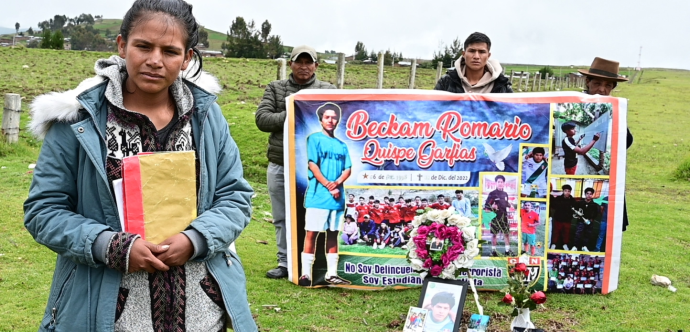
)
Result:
{"points": [[270, 117], [474, 72]]}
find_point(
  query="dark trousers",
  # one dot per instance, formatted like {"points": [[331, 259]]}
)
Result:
{"points": [[561, 233], [582, 234]]}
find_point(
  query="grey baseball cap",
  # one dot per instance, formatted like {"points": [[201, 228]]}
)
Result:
{"points": [[303, 49]]}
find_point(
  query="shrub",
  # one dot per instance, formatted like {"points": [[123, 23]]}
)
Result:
{"points": [[683, 170], [546, 70]]}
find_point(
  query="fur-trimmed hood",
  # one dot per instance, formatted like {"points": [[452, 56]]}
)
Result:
{"points": [[64, 106]]}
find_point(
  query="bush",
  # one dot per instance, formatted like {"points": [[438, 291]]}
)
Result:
{"points": [[683, 170], [544, 71]]}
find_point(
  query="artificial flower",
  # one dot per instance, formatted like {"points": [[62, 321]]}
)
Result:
{"points": [[454, 257], [538, 297]]}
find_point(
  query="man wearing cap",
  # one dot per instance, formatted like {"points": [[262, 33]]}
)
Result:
{"points": [[270, 117], [474, 72], [601, 78]]}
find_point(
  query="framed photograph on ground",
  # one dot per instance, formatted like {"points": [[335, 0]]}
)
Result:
{"points": [[415, 320], [444, 299]]}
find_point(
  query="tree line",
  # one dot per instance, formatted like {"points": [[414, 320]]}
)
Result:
{"points": [[246, 40], [79, 29], [388, 57]]}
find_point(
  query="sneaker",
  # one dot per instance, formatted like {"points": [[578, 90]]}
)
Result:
{"points": [[374, 246], [585, 248], [360, 241], [304, 281], [509, 253], [494, 253], [565, 247], [553, 246], [279, 272], [336, 280], [573, 249], [404, 247]]}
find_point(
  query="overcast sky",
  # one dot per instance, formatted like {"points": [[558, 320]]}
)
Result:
{"points": [[528, 31]]}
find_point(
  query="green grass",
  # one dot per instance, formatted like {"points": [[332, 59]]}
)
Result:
{"points": [[108, 23], [658, 241]]}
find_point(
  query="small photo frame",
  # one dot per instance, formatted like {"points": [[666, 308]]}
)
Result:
{"points": [[436, 244], [416, 317], [444, 299], [478, 323]]}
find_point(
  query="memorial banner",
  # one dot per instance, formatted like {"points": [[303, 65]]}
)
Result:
{"points": [[541, 176]]}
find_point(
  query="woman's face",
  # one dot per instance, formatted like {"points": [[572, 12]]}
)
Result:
{"points": [[155, 53]]}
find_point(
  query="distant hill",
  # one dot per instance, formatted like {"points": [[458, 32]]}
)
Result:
{"points": [[215, 38], [9, 31]]}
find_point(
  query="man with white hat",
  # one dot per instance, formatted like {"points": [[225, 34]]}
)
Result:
{"points": [[270, 117], [601, 78]]}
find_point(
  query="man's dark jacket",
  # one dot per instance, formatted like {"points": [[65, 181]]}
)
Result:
{"points": [[270, 116]]}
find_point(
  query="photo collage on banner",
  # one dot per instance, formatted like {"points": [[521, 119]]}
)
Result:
{"points": [[534, 174]]}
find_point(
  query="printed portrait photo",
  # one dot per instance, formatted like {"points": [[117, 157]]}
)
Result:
{"points": [[578, 210], [534, 170], [415, 319], [575, 273], [532, 228], [499, 222], [581, 139], [378, 220], [442, 300]]}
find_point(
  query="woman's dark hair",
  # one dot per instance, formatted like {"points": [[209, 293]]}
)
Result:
{"points": [[178, 9]]}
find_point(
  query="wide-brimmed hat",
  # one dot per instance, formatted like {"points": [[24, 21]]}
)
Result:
{"points": [[605, 69]]}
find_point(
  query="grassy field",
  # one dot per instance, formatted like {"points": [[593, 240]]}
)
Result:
{"points": [[658, 241]]}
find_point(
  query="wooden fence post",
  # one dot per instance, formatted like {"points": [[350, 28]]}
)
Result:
{"points": [[511, 77], [379, 78], [282, 70], [539, 82], [340, 71], [439, 70], [522, 74], [10, 117], [550, 82], [413, 72], [534, 81]]}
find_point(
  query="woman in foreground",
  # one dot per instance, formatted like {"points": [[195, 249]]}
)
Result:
{"points": [[152, 97]]}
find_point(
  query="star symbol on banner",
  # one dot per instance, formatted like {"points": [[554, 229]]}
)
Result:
{"points": [[366, 176]]}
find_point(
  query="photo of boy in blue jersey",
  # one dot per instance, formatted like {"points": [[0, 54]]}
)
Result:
{"points": [[324, 200]]}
